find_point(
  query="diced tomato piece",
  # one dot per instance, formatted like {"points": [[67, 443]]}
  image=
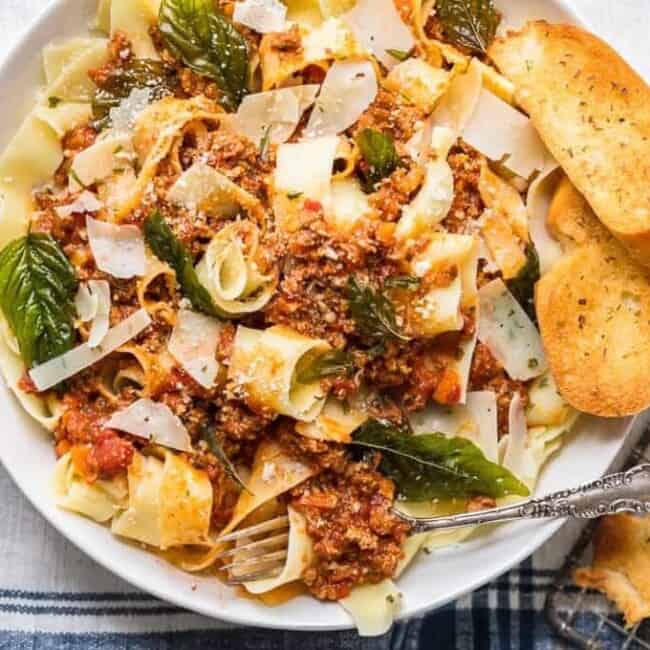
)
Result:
{"points": [[110, 454]]}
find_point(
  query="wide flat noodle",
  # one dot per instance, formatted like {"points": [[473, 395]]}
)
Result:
{"points": [[379, 28], [99, 500], [274, 472], [266, 366], [134, 19], [300, 554], [58, 54], [232, 271], [155, 132], [418, 81], [335, 423], [373, 608], [170, 503], [72, 83]]}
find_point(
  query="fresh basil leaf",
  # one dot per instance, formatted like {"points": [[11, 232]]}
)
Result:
{"points": [[119, 82], [472, 24], [37, 287], [329, 364], [400, 55], [198, 34], [405, 282], [373, 312], [210, 436], [168, 248], [379, 156], [522, 287], [431, 466]]}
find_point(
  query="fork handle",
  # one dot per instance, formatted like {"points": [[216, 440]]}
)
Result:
{"points": [[612, 494]]}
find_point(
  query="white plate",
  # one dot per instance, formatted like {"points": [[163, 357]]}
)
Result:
{"points": [[430, 582]]}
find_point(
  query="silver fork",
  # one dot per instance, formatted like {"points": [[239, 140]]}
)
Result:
{"points": [[624, 492]]}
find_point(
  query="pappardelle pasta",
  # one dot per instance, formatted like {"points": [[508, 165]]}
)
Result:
{"points": [[262, 259]]}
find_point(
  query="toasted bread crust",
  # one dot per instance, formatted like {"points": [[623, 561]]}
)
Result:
{"points": [[591, 110], [594, 314], [621, 566]]}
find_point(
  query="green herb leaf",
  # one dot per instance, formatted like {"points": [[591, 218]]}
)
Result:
{"points": [[373, 312], [379, 155], [168, 248], [400, 55], [119, 82], [431, 466], [330, 364], [37, 287], [53, 102], [405, 282], [472, 24], [208, 43], [210, 436], [522, 287]]}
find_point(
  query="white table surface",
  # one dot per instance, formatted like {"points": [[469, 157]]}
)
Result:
{"points": [[625, 23]]}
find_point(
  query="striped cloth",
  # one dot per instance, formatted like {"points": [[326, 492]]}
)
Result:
{"points": [[52, 597]]}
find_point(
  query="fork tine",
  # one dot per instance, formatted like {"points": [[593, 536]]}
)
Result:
{"points": [[267, 526], [256, 560], [253, 577], [262, 544]]}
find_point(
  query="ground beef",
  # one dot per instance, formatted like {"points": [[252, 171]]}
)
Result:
{"points": [[312, 295], [468, 206], [488, 374], [357, 539], [110, 454], [393, 114], [76, 140], [396, 191]]}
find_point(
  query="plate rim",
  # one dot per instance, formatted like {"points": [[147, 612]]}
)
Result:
{"points": [[535, 540]]}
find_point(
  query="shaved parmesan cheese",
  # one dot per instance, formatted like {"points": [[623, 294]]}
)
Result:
{"points": [[264, 16], [334, 423], [463, 366], [193, 344], [500, 131], [438, 310], [153, 421], [349, 204], [274, 114], [347, 91], [69, 364], [546, 406], [86, 303], [431, 205], [98, 162], [459, 102], [330, 40], [373, 608], [444, 249], [305, 168], [85, 202], [509, 333], [93, 303], [124, 116], [202, 187], [450, 420], [517, 457], [379, 28], [118, 250], [483, 407], [538, 203], [419, 82]]}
